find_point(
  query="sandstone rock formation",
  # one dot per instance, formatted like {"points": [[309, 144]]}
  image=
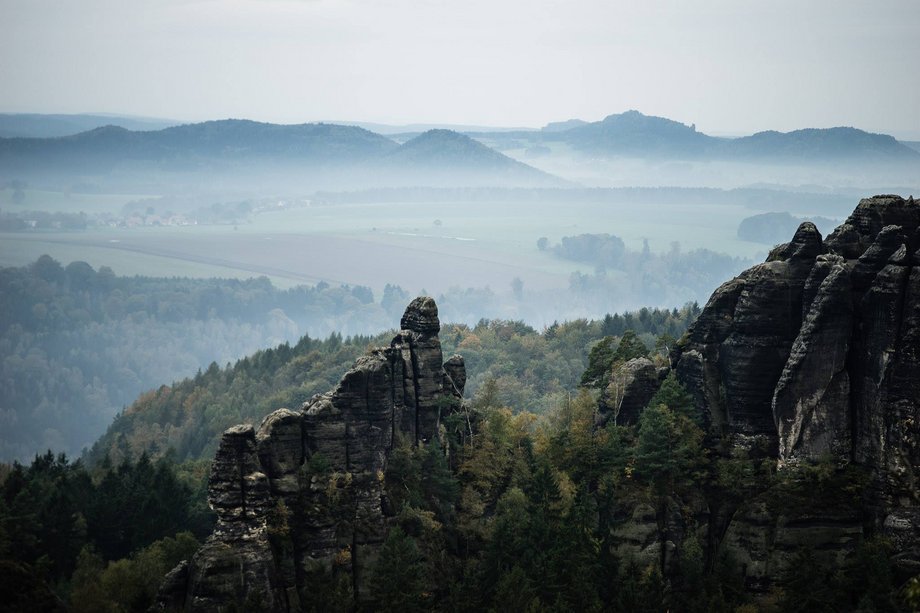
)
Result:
{"points": [[303, 494], [813, 356], [631, 387]]}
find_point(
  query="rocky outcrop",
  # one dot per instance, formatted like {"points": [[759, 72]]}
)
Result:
{"points": [[814, 355], [303, 496], [811, 398], [235, 564], [764, 543], [733, 356], [632, 385], [645, 532]]}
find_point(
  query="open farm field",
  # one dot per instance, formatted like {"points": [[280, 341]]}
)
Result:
{"points": [[63, 202], [430, 246], [516, 227]]}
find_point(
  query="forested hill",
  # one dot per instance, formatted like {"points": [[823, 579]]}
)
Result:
{"points": [[316, 154], [634, 134], [445, 149], [228, 139], [78, 344], [522, 367], [519, 365]]}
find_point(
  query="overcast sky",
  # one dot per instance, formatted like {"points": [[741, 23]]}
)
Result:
{"points": [[730, 66]]}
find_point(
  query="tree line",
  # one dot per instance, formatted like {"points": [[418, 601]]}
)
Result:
{"points": [[79, 344]]}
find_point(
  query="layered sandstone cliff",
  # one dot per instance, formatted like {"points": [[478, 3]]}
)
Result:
{"points": [[814, 356], [304, 493]]}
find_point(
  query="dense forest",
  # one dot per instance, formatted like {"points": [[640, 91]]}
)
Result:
{"points": [[516, 519], [526, 369], [101, 535], [95, 540], [511, 522], [77, 345]]}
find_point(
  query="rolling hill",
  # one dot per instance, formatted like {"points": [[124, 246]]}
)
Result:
{"points": [[821, 144], [227, 139], [635, 135], [632, 133], [439, 156], [316, 155]]}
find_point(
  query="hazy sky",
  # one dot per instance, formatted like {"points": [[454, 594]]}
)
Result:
{"points": [[730, 66]]}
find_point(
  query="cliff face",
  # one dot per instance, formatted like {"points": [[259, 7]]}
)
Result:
{"points": [[303, 495], [815, 355]]}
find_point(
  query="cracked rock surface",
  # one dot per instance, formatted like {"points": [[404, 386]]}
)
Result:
{"points": [[814, 355]]}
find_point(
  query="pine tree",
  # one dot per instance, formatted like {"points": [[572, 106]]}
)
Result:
{"points": [[397, 580], [669, 451]]}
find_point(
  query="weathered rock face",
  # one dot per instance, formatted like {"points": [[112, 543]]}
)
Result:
{"points": [[735, 353], [764, 541], [646, 532], [238, 553], [304, 493], [631, 387], [815, 354]]}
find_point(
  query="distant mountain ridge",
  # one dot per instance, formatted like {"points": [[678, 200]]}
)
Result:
{"points": [[240, 154], [827, 143], [635, 134], [318, 152], [223, 138], [562, 126]]}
